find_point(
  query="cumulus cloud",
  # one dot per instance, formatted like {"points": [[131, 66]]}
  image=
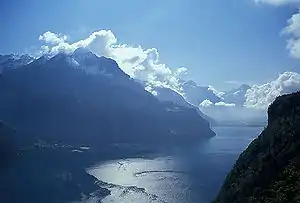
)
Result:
{"points": [[261, 96], [257, 100], [293, 30], [293, 25], [136, 61], [53, 38], [224, 104], [206, 103], [181, 72]]}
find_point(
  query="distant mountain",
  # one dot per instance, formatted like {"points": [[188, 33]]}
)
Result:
{"points": [[80, 98], [268, 170], [196, 94], [169, 95], [236, 96]]}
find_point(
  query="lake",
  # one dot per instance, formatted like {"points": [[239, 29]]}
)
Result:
{"points": [[184, 176]]}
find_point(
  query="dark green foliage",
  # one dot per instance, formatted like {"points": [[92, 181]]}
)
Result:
{"points": [[269, 169]]}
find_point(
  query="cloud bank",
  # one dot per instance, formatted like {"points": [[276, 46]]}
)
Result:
{"points": [[260, 96], [257, 100], [226, 112], [208, 103], [139, 63]]}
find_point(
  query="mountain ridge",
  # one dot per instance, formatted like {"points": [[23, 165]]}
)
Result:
{"points": [[59, 85]]}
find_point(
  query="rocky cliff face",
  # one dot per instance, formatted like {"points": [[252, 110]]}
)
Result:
{"points": [[269, 169]]}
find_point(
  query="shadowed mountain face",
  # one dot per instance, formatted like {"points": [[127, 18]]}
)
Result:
{"points": [[13, 61], [70, 111], [7, 146], [268, 170], [83, 99]]}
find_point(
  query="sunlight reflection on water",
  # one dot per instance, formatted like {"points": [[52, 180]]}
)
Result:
{"points": [[187, 177]]}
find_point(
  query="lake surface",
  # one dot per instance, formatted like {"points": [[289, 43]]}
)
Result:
{"points": [[185, 176]]}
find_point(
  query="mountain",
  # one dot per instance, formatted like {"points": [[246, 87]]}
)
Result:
{"points": [[169, 95], [196, 94], [80, 98], [269, 169], [11, 61], [236, 96], [70, 111], [7, 145]]}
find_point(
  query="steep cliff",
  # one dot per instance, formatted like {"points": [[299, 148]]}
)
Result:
{"points": [[269, 169]]}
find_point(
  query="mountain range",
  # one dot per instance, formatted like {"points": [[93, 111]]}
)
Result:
{"points": [[195, 94], [70, 95], [227, 107], [60, 114]]}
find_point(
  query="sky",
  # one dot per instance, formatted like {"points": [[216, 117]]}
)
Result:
{"points": [[220, 43]]}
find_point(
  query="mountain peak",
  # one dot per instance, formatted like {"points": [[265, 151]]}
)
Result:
{"points": [[82, 51], [82, 55], [190, 83], [244, 86]]}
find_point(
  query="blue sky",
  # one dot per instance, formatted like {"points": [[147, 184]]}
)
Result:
{"points": [[216, 40]]}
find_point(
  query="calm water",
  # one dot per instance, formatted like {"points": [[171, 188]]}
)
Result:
{"points": [[190, 175]]}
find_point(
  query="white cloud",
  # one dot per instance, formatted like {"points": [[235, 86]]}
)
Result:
{"points": [[206, 103], [52, 38], [261, 96], [278, 2], [224, 104], [293, 25], [180, 72], [293, 30], [151, 90], [139, 63], [224, 112], [258, 98]]}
